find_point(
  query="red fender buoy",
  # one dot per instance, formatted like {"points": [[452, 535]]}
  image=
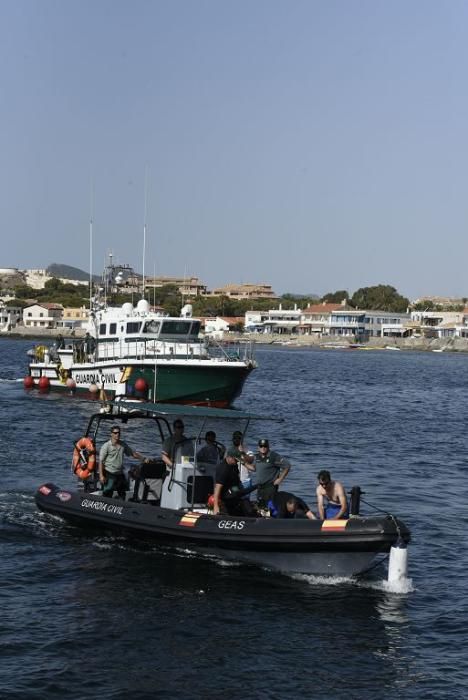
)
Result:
{"points": [[43, 383], [141, 385]]}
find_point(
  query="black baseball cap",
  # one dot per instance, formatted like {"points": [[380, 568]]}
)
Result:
{"points": [[263, 443]]}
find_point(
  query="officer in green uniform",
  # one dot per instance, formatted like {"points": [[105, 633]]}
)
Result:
{"points": [[271, 469]]}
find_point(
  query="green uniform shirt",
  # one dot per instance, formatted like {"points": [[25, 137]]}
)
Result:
{"points": [[111, 456], [269, 467]]}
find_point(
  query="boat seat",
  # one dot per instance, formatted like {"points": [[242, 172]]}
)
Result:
{"points": [[149, 478], [204, 487]]}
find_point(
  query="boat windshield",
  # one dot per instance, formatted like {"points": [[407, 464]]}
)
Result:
{"points": [[173, 327], [152, 327]]}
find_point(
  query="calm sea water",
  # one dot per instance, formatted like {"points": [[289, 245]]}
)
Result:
{"points": [[106, 618]]}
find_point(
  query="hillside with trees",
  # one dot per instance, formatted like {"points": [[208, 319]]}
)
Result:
{"points": [[382, 297], [378, 298]]}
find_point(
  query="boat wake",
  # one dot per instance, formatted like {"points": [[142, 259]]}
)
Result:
{"points": [[323, 580], [401, 587], [19, 518]]}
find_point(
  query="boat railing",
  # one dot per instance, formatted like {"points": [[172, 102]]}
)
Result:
{"points": [[231, 351], [140, 349]]}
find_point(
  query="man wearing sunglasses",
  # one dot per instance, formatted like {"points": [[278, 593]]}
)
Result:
{"points": [[111, 473], [332, 503]]}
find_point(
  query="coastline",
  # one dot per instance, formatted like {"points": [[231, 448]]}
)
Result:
{"points": [[292, 341], [43, 333], [418, 344]]}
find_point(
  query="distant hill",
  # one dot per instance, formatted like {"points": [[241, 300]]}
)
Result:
{"points": [[69, 273]]}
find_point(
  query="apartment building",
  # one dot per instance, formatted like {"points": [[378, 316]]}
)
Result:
{"points": [[42, 315]]}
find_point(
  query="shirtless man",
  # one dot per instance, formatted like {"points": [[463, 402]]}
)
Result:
{"points": [[336, 505]]}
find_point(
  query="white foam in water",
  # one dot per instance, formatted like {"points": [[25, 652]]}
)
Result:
{"points": [[323, 580], [401, 587], [101, 545]]}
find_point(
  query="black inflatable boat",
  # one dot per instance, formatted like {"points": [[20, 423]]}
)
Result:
{"points": [[172, 509]]}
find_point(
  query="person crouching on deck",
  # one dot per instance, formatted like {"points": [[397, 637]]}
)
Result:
{"points": [[227, 486], [287, 505]]}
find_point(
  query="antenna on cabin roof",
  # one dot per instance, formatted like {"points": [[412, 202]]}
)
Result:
{"points": [[91, 214], [144, 227]]}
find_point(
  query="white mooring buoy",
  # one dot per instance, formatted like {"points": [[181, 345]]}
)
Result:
{"points": [[398, 562]]}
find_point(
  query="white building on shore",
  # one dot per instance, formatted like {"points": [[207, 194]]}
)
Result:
{"points": [[325, 320], [42, 315]]}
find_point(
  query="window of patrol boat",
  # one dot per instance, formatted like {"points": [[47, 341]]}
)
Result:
{"points": [[151, 327], [133, 327], [175, 327]]}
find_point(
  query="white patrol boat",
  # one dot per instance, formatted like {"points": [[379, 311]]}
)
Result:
{"points": [[133, 351]]}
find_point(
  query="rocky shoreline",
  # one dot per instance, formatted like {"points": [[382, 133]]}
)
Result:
{"points": [[419, 344], [43, 333]]}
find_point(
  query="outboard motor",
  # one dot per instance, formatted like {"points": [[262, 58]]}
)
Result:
{"points": [[355, 501]]}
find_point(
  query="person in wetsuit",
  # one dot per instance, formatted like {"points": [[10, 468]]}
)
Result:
{"points": [[286, 505], [332, 503]]}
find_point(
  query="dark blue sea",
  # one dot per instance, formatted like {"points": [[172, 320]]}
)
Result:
{"points": [[85, 617]]}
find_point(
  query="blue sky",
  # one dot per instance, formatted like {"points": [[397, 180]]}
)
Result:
{"points": [[311, 145]]}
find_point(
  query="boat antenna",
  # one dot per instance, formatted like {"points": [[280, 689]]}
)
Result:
{"points": [[144, 227], [184, 285], [91, 215]]}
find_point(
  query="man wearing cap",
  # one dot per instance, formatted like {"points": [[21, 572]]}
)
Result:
{"points": [[227, 484], [271, 470]]}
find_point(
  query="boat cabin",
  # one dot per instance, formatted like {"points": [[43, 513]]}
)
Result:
{"points": [[127, 333]]}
